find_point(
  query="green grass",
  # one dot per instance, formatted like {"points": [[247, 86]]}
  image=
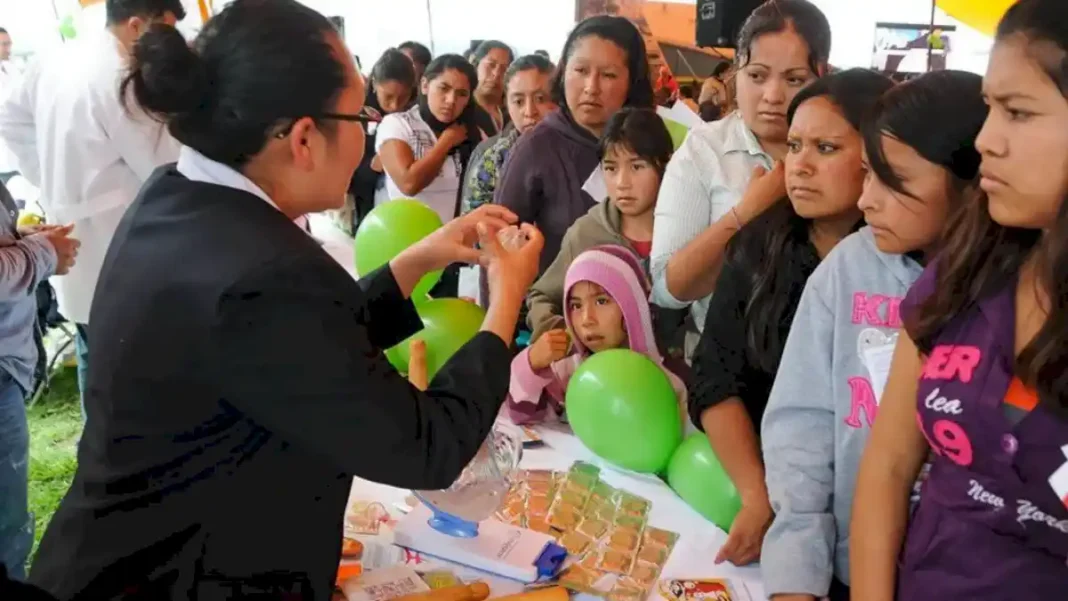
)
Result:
{"points": [[55, 425]]}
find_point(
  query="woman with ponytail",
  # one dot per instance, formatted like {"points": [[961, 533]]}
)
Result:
{"points": [[240, 382]]}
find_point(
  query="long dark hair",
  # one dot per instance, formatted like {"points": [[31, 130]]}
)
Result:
{"points": [[488, 46], [776, 16], [120, 11], [982, 256], [622, 33], [420, 53], [254, 66], [393, 65], [530, 62], [780, 236], [947, 102]]}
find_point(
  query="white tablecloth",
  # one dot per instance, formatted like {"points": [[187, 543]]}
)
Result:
{"points": [[693, 554]]}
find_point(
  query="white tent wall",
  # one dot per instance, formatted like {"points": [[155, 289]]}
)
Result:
{"points": [[372, 26]]}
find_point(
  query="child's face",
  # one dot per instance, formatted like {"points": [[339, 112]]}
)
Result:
{"points": [[595, 317], [632, 181], [901, 224]]}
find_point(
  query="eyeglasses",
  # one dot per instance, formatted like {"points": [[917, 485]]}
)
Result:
{"points": [[366, 115]]}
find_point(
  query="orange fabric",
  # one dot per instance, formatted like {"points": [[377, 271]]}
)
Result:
{"points": [[1020, 396]]}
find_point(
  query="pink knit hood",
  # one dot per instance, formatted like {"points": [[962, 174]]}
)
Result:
{"points": [[617, 270], [531, 394]]}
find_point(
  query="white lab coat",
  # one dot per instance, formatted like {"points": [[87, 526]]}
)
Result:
{"points": [[10, 78], [87, 152]]}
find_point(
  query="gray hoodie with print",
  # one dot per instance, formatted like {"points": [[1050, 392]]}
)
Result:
{"points": [[821, 409]]}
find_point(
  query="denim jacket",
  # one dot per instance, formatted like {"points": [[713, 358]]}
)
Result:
{"points": [[25, 262]]}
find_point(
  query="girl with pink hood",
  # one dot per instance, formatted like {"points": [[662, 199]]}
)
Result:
{"points": [[606, 307]]}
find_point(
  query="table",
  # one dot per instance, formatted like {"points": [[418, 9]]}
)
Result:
{"points": [[699, 539]]}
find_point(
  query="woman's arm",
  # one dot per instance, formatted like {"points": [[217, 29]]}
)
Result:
{"points": [[329, 388], [692, 271], [719, 382], [682, 213], [410, 175], [692, 268], [892, 460], [798, 436]]}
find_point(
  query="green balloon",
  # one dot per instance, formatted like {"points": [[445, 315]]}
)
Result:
{"points": [[388, 230], [623, 407], [677, 130], [448, 323], [697, 476]]}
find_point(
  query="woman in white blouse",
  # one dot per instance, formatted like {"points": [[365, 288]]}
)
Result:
{"points": [[704, 198], [425, 149]]}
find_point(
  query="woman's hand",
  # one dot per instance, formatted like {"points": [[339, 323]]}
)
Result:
{"points": [[747, 534], [376, 163], [453, 242], [765, 189], [453, 136], [549, 348], [510, 258]]}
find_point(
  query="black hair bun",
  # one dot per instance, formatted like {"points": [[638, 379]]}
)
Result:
{"points": [[167, 75]]}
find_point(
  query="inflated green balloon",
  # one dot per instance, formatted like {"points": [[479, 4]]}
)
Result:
{"points": [[623, 407], [677, 130], [389, 229], [448, 323], [697, 476]]}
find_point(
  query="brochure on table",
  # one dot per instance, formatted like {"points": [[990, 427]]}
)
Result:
{"points": [[693, 554]]}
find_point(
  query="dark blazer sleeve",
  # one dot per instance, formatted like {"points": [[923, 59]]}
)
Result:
{"points": [[719, 362], [390, 317], [296, 354], [520, 187]]}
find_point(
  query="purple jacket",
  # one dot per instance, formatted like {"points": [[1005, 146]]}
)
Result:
{"points": [[543, 177], [989, 525]]}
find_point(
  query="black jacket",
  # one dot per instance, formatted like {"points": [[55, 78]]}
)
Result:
{"points": [[722, 365], [237, 385]]}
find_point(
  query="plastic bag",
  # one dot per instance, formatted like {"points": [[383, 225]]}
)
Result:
{"points": [[481, 488]]}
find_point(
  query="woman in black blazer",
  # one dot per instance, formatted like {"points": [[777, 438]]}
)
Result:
{"points": [[240, 382]]}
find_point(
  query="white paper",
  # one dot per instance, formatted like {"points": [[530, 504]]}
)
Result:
{"points": [[469, 284], [682, 113], [878, 359], [386, 583], [595, 185]]}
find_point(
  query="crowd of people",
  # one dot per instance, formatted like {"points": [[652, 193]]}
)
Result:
{"points": [[857, 289]]}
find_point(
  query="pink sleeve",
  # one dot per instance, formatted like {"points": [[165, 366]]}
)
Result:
{"points": [[531, 393], [525, 399]]}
